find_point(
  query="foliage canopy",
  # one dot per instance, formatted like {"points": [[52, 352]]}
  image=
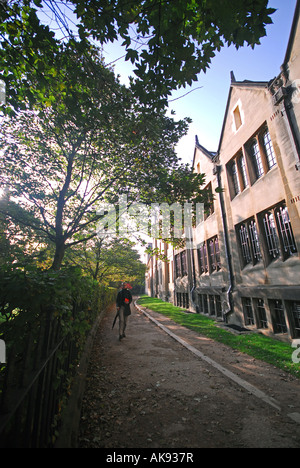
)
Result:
{"points": [[94, 142], [169, 42]]}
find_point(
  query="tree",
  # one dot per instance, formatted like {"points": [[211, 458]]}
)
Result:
{"points": [[20, 244], [92, 143], [169, 42], [109, 261], [173, 41], [28, 50]]}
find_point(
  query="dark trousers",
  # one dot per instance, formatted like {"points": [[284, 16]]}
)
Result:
{"points": [[122, 321]]}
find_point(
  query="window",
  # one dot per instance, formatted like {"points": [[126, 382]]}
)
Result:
{"points": [[248, 311], [237, 174], [245, 244], [214, 254], [160, 275], [179, 300], [256, 159], [254, 242], [181, 264], [184, 263], [202, 258], [178, 266], [252, 162], [209, 256], [254, 311], [249, 242], [167, 272], [203, 303], [184, 300], [218, 306], [278, 317], [215, 306], [262, 321], [269, 149], [295, 312], [235, 178], [243, 170], [271, 235], [212, 308], [285, 231], [209, 203], [237, 118], [278, 233], [261, 154]]}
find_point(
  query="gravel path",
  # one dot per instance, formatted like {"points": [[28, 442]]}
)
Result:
{"points": [[148, 391]]}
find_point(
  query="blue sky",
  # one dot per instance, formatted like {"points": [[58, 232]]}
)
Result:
{"points": [[206, 106]]}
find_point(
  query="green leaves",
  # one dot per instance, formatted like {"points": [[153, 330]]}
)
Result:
{"points": [[24, 64], [77, 137], [109, 261], [28, 297], [173, 41], [89, 144], [132, 55], [177, 40]]}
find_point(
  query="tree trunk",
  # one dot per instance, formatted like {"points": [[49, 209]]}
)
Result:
{"points": [[58, 257], [61, 203], [96, 272]]}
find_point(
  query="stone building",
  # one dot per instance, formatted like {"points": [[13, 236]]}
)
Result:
{"points": [[245, 267]]}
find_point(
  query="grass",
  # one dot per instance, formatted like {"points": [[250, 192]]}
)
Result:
{"points": [[261, 347]]}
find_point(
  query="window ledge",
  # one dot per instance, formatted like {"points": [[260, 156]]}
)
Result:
{"points": [[244, 192], [263, 177], [250, 267], [290, 262]]}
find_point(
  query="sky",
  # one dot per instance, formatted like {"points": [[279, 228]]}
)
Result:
{"points": [[206, 106]]}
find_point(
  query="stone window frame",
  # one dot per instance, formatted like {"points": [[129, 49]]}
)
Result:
{"points": [[260, 154], [277, 233]]}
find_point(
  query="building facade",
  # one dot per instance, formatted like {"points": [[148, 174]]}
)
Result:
{"points": [[244, 268]]}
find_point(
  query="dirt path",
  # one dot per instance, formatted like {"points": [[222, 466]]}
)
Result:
{"points": [[148, 391]]}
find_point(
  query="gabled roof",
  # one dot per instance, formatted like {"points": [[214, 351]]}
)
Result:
{"points": [[260, 84], [209, 154], [246, 84], [250, 84], [239, 84], [234, 84]]}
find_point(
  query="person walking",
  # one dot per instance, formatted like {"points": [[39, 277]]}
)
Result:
{"points": [[124, 299]]}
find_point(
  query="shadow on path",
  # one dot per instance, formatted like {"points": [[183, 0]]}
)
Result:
{"points": [[148, 391]]}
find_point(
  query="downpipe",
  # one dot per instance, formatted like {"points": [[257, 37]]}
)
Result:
{"points": [[230, 305]]}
